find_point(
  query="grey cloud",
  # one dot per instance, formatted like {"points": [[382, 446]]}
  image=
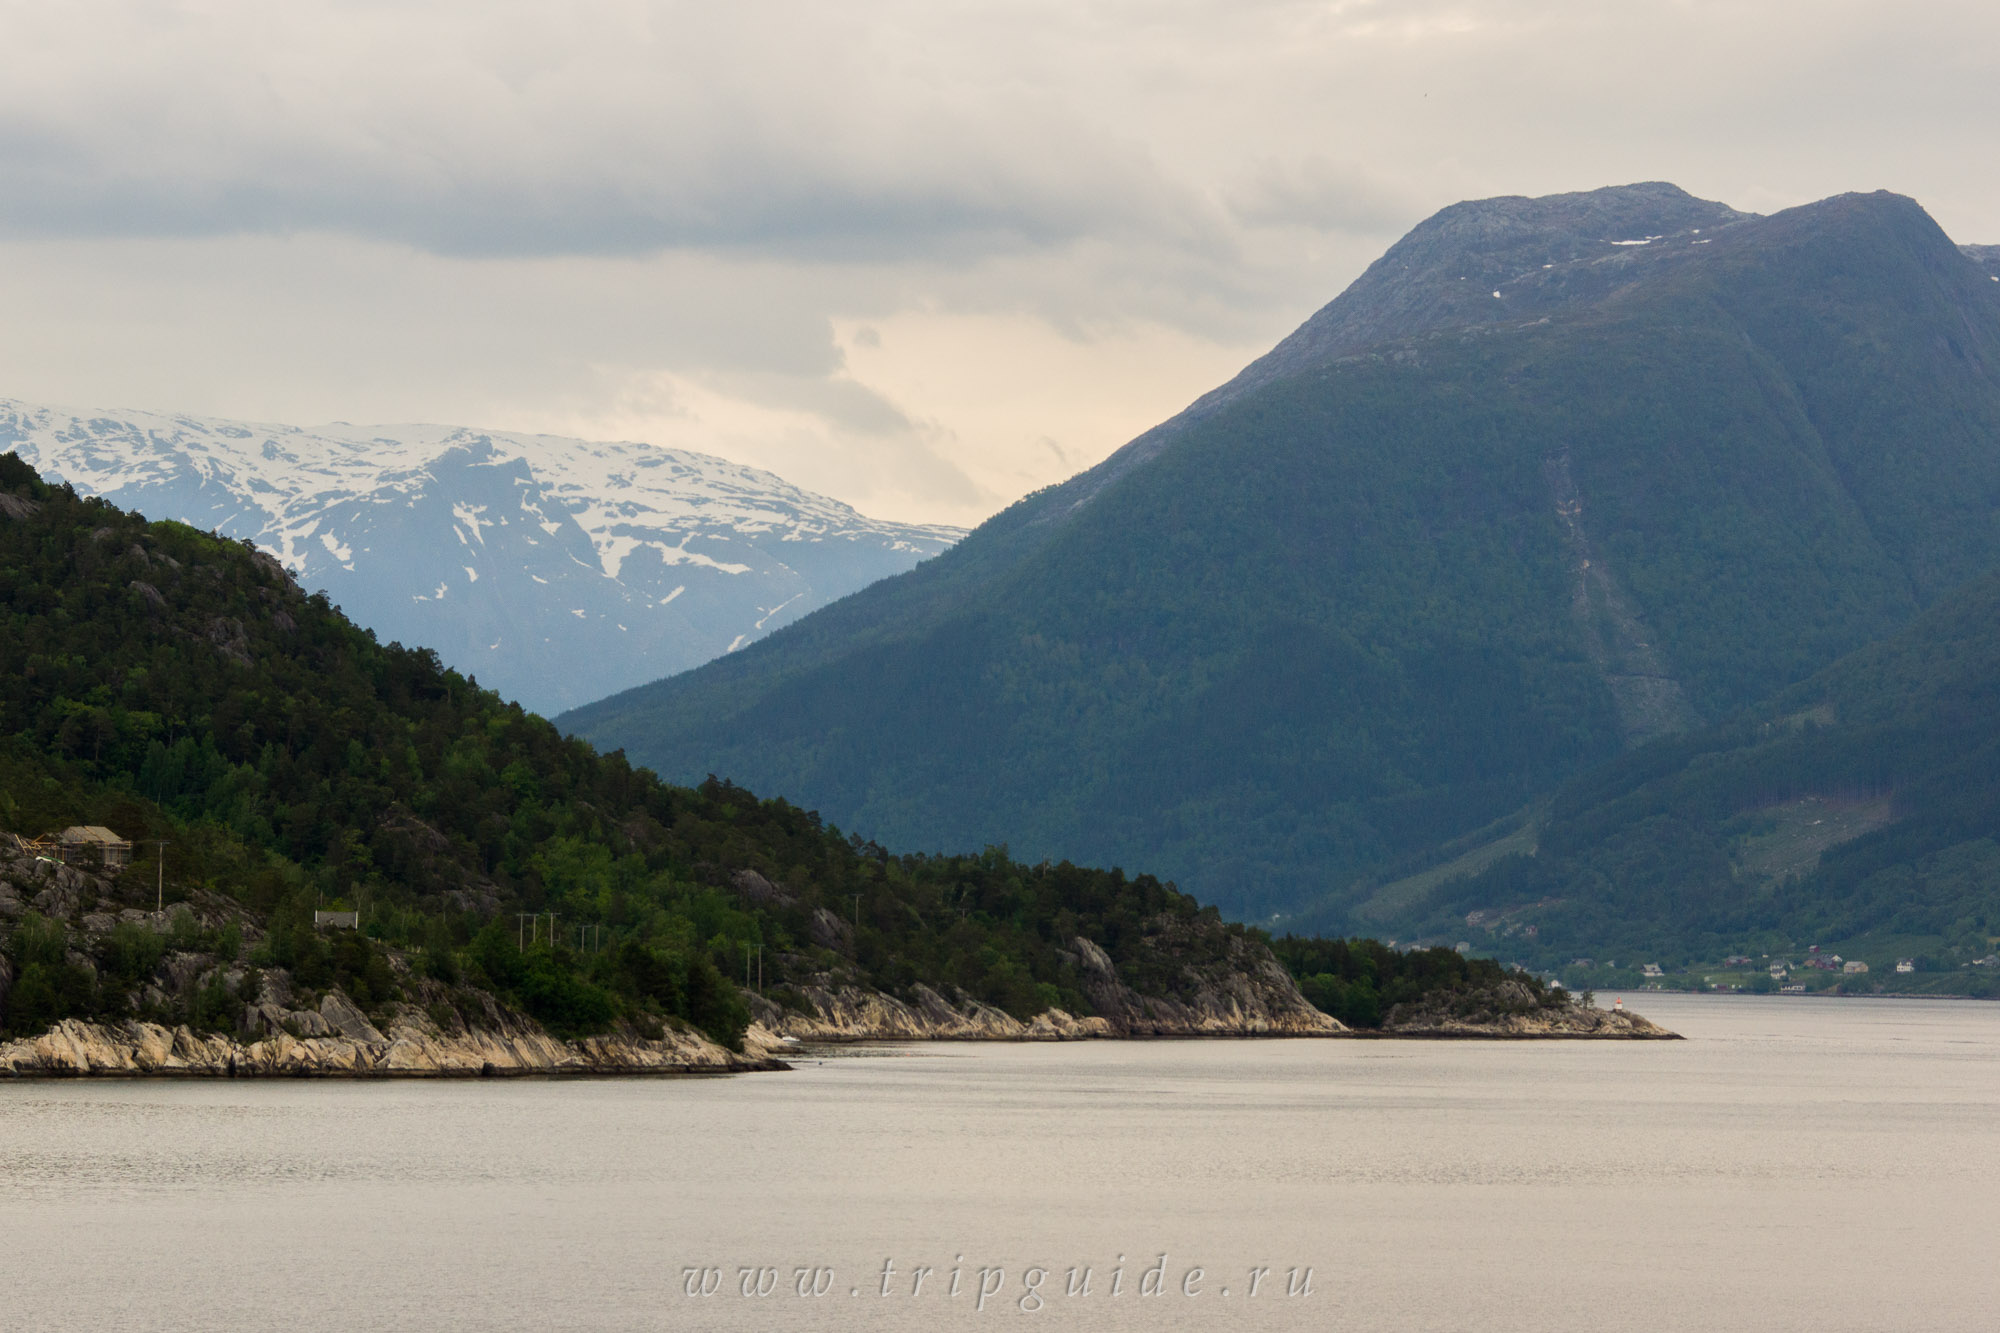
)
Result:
{"points": [[688, 130]]}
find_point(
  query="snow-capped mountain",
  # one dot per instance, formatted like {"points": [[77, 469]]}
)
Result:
{"points": [[557, 571]]}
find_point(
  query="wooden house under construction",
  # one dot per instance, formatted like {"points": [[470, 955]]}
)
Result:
{"points": [[90, 845]]}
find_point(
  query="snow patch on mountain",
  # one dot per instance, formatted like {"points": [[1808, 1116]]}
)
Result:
{"points": [[667, 558]]}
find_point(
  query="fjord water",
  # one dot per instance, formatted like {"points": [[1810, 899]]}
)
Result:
{"points": [[1795, 1164]]}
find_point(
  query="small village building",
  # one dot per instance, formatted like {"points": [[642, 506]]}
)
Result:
{"points": [[92, 844], [1854, 965], [1906, 964], [1651, 970]]}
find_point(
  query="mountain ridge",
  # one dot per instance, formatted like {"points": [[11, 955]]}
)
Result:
{"points": [[1367, 604], [604, 565]]}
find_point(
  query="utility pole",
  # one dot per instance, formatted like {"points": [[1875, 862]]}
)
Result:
{"points": [[521, 931], [160, 898], [857, 916]]}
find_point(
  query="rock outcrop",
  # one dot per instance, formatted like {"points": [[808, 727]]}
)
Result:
{"points": [[1242, 994], [410, 1049], [1511, 1010], [1246, 992], [849, 1013]]}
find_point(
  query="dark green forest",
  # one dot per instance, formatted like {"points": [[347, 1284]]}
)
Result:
{"points": [[178, 687]]}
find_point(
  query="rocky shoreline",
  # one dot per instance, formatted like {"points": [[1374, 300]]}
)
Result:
{"points": [[348, 1046], [1618, 1027], [136, 1049]]}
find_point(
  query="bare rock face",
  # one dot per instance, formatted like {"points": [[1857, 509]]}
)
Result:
{"points": [[341, 1016], [1244, 993], [830, 932], [226, 633], [759, 891]]}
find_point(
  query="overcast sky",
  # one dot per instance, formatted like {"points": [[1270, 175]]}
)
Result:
{"points": [[922, 256]]}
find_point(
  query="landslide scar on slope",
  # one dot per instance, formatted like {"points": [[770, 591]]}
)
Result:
{"points": [[1650, 702]]}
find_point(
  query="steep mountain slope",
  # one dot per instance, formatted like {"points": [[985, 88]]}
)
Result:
{"points": [[1860, 805], [1437, 553], [554, 570], [173, 686]]}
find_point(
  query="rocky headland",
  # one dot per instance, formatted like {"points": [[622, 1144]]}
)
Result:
{"points": [[1511, 1010], [289, 1030]]}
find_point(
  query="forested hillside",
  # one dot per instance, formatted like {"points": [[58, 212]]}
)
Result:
{"points": [[178, 687], [1654, 461], [1859, 811]]}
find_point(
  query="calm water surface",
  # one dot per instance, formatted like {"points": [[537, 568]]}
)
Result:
{"points": [[1796, 1164]]}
